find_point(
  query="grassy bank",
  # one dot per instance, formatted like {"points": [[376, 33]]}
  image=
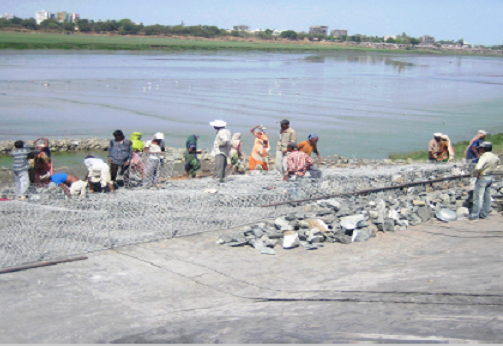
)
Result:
{"points": [[459, 149], [35, 40]]}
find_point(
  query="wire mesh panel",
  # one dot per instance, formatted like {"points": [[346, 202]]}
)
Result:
{"points": [[50, 226]]}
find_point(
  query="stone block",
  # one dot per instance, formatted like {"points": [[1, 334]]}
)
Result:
{"points": [[350, 222]]}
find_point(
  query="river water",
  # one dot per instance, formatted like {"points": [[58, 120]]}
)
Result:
{"points": [[361, 104]]}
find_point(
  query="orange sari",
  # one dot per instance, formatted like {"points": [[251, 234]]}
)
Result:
{"points": [[259, 153]]}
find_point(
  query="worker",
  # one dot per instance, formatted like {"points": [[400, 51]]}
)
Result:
{"points": [[482, 192]]}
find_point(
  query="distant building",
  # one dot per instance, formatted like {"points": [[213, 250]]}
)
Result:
{"points": [[389, 36], [241, 27], [339, 33], [67, 17], [427, 39], [40, 16], [7, 16], [318, 30]]}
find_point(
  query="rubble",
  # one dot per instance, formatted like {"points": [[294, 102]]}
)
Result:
{"points": [[353, 219]]}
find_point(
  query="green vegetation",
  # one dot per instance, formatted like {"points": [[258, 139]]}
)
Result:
{"points": [[68, 41], [459, 149], [14, 40]]}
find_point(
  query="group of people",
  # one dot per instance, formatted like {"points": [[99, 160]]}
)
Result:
{"points": [[292, 160], [440, 148], [479, 152], [33, 164]]}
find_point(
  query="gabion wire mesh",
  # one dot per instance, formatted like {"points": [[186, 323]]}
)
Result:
{"points": [[49, 226]]}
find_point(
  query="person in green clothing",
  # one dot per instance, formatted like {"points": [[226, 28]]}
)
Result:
{"points": [[192, 140], [137, 143], [192, 163]]}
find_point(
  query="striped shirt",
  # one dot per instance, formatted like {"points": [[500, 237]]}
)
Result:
{"points": [[298, 163], [20, 159]]}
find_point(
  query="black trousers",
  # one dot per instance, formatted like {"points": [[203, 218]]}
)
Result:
{"points": [[114, 169]]}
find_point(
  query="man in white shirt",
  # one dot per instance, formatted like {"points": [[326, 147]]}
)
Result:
{"points": [[98, 171], [221, 148], [482, 192]]}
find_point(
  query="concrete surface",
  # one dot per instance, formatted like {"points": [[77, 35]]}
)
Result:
{"points": [[433, 283]]}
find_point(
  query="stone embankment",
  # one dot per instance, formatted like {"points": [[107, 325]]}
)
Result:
{"points": [[64, 145], [358, 218]]}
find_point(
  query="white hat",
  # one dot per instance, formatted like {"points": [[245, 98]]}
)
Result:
{"points": [[263, 128], [438, 134], [159, 135], [218, 123], [482, 132]]}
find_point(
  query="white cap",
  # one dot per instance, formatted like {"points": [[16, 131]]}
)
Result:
{"points": [[482, 132], [218, 123], [159, 135], [438, 134]]}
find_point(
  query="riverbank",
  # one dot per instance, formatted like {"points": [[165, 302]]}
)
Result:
{"points": [[459, 149], [36, 40]]}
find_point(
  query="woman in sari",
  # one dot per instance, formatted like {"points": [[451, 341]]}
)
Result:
{"points": [[43, 163], [258, 157], [236, 153], [447, 150]]}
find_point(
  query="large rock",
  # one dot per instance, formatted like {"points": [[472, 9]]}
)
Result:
{"points": [[425, 213], [389, 226], [281, 222], [414, 220], [363, 234], [350, 222], [330, 203], [290, 240], [463, 212]]}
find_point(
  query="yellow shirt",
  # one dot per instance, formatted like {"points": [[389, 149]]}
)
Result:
{"points": [[306, 147], [487, 162]]}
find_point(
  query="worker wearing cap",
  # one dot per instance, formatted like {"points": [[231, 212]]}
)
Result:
{"points": [[482, 192], [435, 147], [471, 152], [286, 135], [221, 149]]}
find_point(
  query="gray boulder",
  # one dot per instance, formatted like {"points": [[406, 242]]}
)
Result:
{"points": [[350, 222], [425, 213]]}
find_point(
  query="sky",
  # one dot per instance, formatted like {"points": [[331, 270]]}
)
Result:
{"points": [[477, 22]]}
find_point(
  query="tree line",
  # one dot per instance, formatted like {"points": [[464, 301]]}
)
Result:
{"points": [[128, 27]]}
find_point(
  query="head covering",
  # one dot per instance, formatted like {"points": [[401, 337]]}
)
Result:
{"points": [[236, 136], [485, 145], [159, 135], [285, 122], [263, 128], [445, 137], [312, 136], [218, 123], [438, 134], [482, 132], [118, 133]]}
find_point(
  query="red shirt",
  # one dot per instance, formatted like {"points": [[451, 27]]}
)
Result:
{"points": [[298, 163]]}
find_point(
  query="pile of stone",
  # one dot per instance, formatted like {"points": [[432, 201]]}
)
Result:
{"points": [[358, 218]]}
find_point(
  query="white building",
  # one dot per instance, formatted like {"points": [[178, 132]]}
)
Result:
{"points": [[40, 16], [7, 16]]}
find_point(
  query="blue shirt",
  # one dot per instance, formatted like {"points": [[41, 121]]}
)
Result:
{"points": [[471, 155], [59, 178]]}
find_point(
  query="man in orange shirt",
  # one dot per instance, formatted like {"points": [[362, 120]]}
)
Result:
{"points": [[311, 145]]}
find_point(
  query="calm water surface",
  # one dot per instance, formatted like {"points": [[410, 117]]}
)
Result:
{"points": [[361, 104]]}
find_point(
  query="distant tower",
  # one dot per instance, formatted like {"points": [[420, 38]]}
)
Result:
{"points": [[183, 24]]}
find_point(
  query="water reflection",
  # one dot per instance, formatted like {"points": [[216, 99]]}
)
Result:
{"points": [[397, 65]]}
